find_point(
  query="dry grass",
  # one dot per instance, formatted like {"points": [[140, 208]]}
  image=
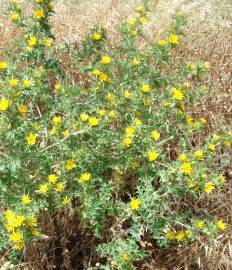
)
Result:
{"points": [[208, 38]]}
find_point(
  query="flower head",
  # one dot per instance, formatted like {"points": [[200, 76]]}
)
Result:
{"points": [[26, 199], [26, 84], [85, 177], [145, 88], [52, 178], [170, 235], [152, 155], [70, 164], [155, 135], [3, 65], [4, 104], [186, 168], [200, 224], [93, 121], [43, 188], [209, 187], [59, 187], [84, 117], [173, 39], [106, 60], [127, 142], [32, 41], [66, 201], [31, 139], [220, 225], [177, 94], [96, 36], [39, 14], [135, 204]]}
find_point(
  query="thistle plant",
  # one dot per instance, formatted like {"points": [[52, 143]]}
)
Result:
{"points": [[120, 140]]}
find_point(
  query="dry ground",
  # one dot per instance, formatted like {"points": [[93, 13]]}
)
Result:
{"points": [[208, 38]]}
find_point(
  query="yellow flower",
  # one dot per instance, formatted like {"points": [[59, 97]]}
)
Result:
{"points": [[19, 245], [15, 16], [220, 225], [26, 199], [106, 60], [84, 117], [32, 222], [200, 224], [170, 235], [139, 9], [56, 120], [130, 131], [16, 236], [135, 62], [186, 168], [212, 147], [26, 84], [59, 187], [50, 6], [35, 232], [39, 14], [70, 164], [134, 33], [209, 187], [177, 94], [4, 104], [138, 122], [143, 20], [188, 120], [155, 135], [31, 139], [127, 142], [66, 133], [57, 87], [199, 155], [53, 131], [132, 21], [32, 41], [162, 42], [43, 188], [127, 94], [66, 201], [112, 114], [180, 235], [52, 178], [3, 65], [135, 204], [13, 82], [203, 120], [173, 39], [145, 88], [152, 155], [188, 234], [124, 257], [85, 177], [23, 109], [96, 72], [47, 42], [96, 36], [93, 121], [102, 112], [146, 101]]}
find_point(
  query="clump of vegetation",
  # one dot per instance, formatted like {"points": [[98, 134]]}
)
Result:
{"points": [[120, 140]]}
